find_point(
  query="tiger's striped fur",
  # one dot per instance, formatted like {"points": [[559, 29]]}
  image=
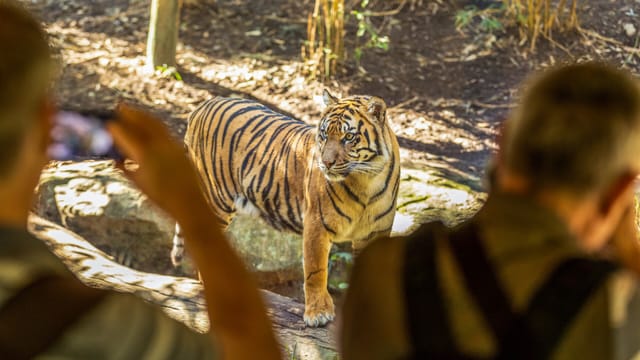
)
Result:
{"points": [[331, 183]]}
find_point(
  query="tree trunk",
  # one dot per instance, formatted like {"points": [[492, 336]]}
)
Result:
{"points": [[163, 33]]}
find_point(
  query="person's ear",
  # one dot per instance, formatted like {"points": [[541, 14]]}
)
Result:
{"points": [[618, 194]]}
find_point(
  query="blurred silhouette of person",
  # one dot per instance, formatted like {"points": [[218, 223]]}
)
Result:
{"points": [[547, 268], [44, 310]]}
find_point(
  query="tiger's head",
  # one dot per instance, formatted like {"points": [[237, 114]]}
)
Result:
{"points": [[350, 137]]}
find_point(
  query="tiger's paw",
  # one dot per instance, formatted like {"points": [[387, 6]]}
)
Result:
{"points": [[319, 312], [316, 319]]}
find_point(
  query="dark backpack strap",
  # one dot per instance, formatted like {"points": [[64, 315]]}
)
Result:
{"points": [[535, 334], [429, 328], [556, 304], [481, 280], [35, 317], [427, 317]]}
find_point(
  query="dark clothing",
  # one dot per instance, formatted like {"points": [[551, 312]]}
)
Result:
{"points": [[532, 334], [513, 284]]}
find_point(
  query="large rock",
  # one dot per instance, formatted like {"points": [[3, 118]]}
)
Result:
{"points": [[94, 200], [426, 195], [274, 256]]}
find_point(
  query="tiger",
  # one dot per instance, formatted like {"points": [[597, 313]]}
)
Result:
{"points": [[334, 182]]}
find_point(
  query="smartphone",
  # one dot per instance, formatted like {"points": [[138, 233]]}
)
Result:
{"points": [[78, 136]]}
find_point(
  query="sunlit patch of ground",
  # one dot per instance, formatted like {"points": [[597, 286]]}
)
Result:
{"points": [[427, 196]]}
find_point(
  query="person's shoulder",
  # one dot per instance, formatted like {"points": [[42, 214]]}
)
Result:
{"points": [[127, 325], [382, 245], [390, 252], [373, 312], [385, 252], [126, 311]]}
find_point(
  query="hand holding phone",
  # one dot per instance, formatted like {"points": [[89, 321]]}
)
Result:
{"points": [[76, 136]]}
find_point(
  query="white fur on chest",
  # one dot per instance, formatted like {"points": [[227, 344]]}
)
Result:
{"points": [[246, 207]]}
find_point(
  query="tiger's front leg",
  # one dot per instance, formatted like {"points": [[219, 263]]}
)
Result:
{"points": [[319, 308]]}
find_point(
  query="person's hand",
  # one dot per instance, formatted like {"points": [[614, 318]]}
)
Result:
{"points": [[164, 174]]}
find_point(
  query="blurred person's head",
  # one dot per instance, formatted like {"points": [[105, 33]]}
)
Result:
{"points": [[26, 72], [574, 142]]}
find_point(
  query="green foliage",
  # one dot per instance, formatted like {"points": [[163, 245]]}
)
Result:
{"points": [[345, 256], [488, 19], [367, 31], [490, 24], [465, 16], [168, 71], [342, 261], [292, 352]]}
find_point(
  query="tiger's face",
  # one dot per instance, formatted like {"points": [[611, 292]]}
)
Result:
{"points": [[348, 137]]}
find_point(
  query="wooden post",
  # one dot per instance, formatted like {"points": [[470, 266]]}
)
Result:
{"points": [[163, 33]]}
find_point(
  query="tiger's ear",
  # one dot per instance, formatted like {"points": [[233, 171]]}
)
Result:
{"points": [[328, 98], [377, 108]]}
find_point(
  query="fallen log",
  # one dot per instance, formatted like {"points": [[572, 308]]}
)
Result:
{"points": [[181, 298]]}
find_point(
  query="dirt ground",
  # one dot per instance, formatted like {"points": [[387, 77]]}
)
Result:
{"points": [[448, 90]]}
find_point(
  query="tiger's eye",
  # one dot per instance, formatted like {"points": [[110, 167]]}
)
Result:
{"points": [[349, 136]]}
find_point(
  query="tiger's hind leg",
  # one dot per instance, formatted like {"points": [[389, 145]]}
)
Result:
{"points": [[177, 249]]}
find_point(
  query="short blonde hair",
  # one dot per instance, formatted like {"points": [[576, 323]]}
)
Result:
{"points": [[577, 128], [26, 69]]}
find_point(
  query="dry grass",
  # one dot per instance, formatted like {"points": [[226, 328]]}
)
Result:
{"points": [[541, 17], [324, 48]]}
